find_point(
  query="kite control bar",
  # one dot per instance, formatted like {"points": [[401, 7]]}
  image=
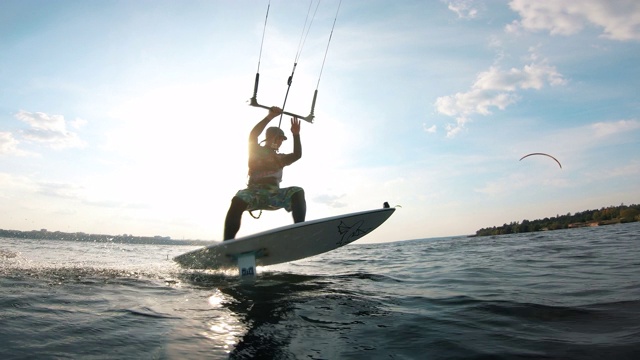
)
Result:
{"points": [[254, 99], [254, 102], [308, 118]]}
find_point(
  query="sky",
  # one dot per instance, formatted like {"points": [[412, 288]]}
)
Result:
{"points": [[131, 117]]}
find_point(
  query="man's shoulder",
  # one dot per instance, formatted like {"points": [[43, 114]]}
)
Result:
{"points": [[253, 143]]}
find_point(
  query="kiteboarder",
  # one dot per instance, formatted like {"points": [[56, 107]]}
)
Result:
{"points": [[263, 190]]}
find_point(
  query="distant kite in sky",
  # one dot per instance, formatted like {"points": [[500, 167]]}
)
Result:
{"points": [[544, 155]]}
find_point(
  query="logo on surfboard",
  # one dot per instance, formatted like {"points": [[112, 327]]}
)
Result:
{"points": [[351, 233]]}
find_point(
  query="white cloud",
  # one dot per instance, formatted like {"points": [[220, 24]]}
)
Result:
{"points": [[333, 201], [78, 123], [513, 183], [495, 88], [12, 186], [595, 135], [61, 190], [620, 19], [8, 144], [465, 9], [49, 129], [588, 137], [431, 129], [602, 129]]}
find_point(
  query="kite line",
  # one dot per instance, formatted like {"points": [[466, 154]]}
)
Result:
{"points": [[305, 32]]}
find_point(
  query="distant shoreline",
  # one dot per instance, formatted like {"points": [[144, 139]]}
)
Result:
{"points": [[604, 216], [80, 236]]}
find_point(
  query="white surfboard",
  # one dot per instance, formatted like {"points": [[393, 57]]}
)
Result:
{"points": [[287, 243]]}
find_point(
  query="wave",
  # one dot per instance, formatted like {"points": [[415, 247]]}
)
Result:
{"points": [[82, 274], [147, 312], [368, 276], [7, 254]]}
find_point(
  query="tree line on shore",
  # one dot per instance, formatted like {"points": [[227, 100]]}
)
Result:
{"points": [[603, 216], [80, 236]]}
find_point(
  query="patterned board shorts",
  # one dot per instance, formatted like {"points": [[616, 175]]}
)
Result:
{"points": [[267, 197]]}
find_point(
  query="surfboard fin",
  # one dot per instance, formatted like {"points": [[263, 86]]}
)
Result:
{"points": [[247, 265]]}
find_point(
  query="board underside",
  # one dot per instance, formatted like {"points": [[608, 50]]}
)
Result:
{"points": [[288, 243]]}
